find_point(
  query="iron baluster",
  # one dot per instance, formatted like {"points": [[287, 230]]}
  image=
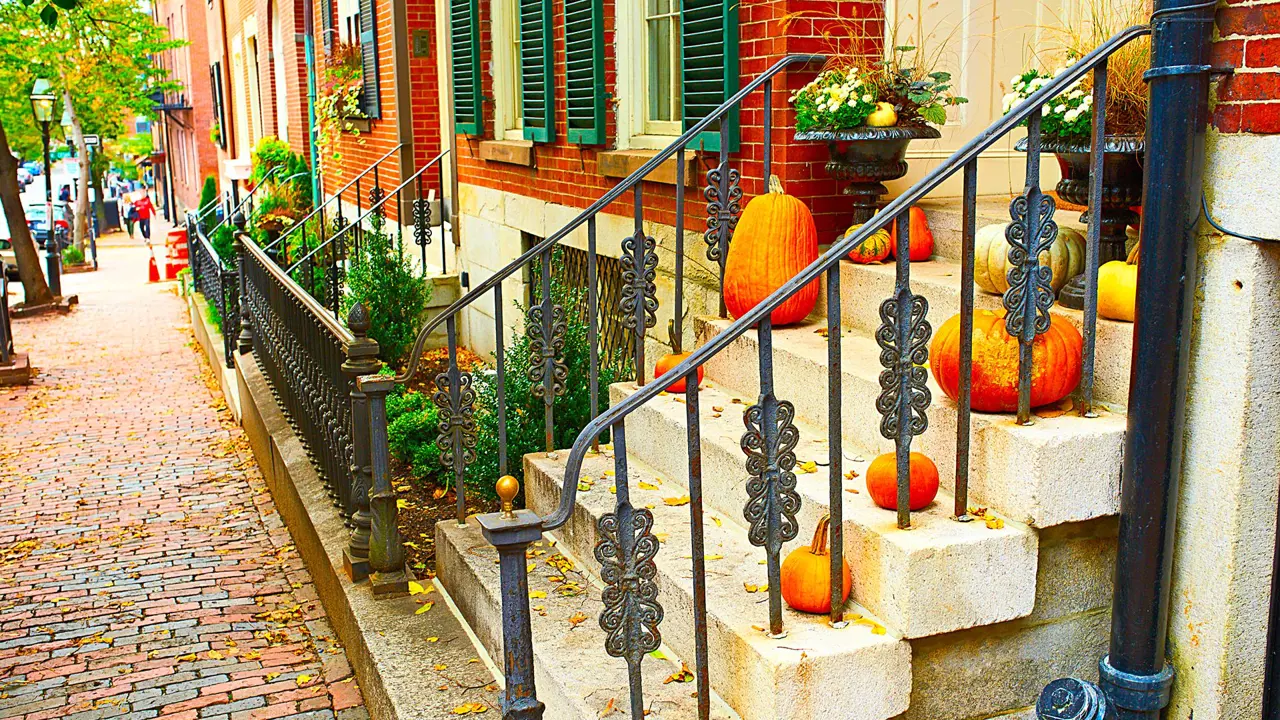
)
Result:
{"points": [[362, 359], [965, 401], [499, 377], [639, 289], [768, 131], [422, 224], [593, 326], [904, 397], [359, 229], [244, 342], [626, 552], [677, 312], [698, 543], [835, 446], [337, 270], [724, 204], [386, 553], [1030, 294], [456, 399], [547, 370], [1093, 242], [772, 501]]}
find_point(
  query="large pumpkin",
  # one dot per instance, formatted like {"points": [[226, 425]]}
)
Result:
{"points": [[666, 364], [922, 481], [806, 574], [920, 237], [991, 258], [775, 239], [872, 250], [1055, 368]]}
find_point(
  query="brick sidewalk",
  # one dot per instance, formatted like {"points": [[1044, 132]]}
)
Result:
{"points": [[144, 571]]}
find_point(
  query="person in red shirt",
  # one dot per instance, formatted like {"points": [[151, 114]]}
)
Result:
{"points": [[143, 206]]}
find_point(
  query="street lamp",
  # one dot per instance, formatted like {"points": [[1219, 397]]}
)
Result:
{"points": [[42, 99], [93, 142]]}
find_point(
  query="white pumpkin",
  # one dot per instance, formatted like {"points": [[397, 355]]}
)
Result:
{"points": [[991, 258]]}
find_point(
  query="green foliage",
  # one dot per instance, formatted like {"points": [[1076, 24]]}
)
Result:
{"points": [[412, 427], [212, 315], [273, 157], [338, 100], [1067, 117], [223, 241], [72, 255], [841, 98], [208, 195], [383, 278]]}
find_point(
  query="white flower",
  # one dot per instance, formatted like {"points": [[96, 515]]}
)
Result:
{"points": [[866, 98], [853, 102], [1016, 81], [1009, 100], [1072, 114], [1060, 109]]}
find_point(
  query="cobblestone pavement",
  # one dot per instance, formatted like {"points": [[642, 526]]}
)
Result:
{"points": [[144, 571]]}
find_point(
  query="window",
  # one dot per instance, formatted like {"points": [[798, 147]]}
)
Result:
{"points": [[507, 80], [349, 21], [661, 67]]}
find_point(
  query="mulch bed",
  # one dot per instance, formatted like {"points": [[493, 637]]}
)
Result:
{"points": [[427, 502]]}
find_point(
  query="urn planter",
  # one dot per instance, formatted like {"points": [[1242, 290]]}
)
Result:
{"points": [[867, 157]]}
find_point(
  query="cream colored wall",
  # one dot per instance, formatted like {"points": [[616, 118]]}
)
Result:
{"points": [[1231, 464]]}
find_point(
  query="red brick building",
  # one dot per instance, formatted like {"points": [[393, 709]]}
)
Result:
{"points": [[183, 132]]}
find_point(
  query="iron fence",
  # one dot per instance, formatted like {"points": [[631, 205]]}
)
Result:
{"points": [[216, 280]]}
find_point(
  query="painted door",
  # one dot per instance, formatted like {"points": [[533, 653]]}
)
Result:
{"points": [[987, 43]]}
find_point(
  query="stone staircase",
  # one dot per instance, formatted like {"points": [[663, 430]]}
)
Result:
{"points": [[946, 618]]}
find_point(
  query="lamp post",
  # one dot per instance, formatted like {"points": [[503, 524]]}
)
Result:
{"points": [[92, 142], [42, 99]]}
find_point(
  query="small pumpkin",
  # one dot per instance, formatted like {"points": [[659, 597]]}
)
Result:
{"points": [[920, 237], [775, 239], [882, 481], [1055, 367], [991, 258], [1117, 290], [668, 362], [872, 250], [806, 574]]}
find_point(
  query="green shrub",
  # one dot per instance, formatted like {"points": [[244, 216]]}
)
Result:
{"points": [[208, 195], [384, 280], [223, 242], [212, 315], [72, 255], [412, 428], [271, 153]]}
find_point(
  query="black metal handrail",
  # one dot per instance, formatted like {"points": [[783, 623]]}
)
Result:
{"points": [[771, 435], [337, 198], [215, 279]]}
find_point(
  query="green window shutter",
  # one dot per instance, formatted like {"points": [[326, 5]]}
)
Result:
{"points": [[370, 102], [464, 17], [584, 73], [326, 25], [709, 64], [536, 72]]}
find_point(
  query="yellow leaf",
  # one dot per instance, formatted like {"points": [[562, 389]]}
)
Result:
{"points": [[416, 588], [402, 504], [647, 486], [808, 466], [433, 639], [272, 676], [717, 521], [613, 489], [995, 523], [438, 493], [681, 676], [750, 587], [186, 658], [424, 608], [302, 680], [538, 594], [676, 501], [215, 655], [442, 667], [577, 619]]}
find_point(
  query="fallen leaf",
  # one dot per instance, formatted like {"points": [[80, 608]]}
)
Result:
{"points": [[424, 608], [808, 466], [681, 676], [302, 680], [647, 486], [577, 619], [676, 501], [538, 594]]}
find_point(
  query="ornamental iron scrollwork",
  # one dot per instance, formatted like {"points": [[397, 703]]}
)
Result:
{"points": [[639, 274], [421, 222], [626, 552], [1030, 292], [456, 398], [906, 361], [770, 443], [339, 223], [723, 194], [376, 194], [546, 346]]}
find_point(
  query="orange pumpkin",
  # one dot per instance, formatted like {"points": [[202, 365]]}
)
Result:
{"points": [[872, 250], [806, 574], [1056, 362], [882, 481], [666, 363], [921, 237], [775, 239]]}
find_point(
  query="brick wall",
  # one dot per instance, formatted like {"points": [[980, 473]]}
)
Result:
{"points": [[568, 174], [191, 156], [1249, 40]]}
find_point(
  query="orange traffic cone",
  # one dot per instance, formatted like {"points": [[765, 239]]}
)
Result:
{"points": [[153, 272]]}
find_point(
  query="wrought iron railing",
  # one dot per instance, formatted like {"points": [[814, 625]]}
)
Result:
{"points": [[311, 360], [330, 255], [215, 279], [771, 436]]}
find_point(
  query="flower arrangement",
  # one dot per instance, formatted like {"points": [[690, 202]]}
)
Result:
{"points": [[1069, 116], [338, 100], [887, 92]]}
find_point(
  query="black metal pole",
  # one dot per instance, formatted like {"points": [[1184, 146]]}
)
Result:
{"points": [[1135, 680], [52, 247]]}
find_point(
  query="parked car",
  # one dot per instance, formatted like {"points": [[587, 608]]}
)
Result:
{"points": [[25, 177], [33, 168], [38, 221]]}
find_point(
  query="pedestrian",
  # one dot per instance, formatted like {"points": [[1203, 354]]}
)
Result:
{"points": [[143, 208], [64, 195], [130, 214]]}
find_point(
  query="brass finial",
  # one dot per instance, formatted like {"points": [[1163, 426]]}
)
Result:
{"points": [[507, 488]]}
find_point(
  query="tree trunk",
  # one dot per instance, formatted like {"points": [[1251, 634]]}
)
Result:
{"points": [[82, 189], [35, 289]]}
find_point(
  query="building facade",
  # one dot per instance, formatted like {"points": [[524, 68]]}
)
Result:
{"points": [[182, 132]]}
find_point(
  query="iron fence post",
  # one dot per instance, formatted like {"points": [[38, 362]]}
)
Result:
{"points": [[244, 342], [511, 532], [361, 359], [388, 574]]}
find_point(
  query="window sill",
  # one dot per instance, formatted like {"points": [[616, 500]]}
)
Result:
{"points": [[353, 124], [512, 152], [621, 163]]}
